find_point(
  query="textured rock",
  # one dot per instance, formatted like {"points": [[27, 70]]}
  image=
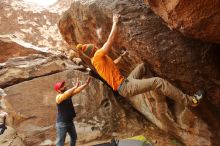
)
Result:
{"points": [[31, 106], [10, 49], [11, 138], [19, 69], [197, 19], [30, 24], [187, 63]]}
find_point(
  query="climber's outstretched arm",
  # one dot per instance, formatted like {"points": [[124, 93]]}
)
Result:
{"points": [[116, 61], [107, 46]]}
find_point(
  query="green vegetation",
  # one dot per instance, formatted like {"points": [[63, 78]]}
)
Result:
{"points": [[175, 142]]}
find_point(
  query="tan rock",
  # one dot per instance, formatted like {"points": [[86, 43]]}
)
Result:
{"points": [[20, 69], [10, 49], [32, 109], [31, 24], [187, 63], [10, 137], [196, 19]]}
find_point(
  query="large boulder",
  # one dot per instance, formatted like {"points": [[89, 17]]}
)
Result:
{"points": [[19, 63], [32, 109], [19, 69], [188, 64], [10, 49], [10, 137], [29, 99], [31, 24], [196, 19]]}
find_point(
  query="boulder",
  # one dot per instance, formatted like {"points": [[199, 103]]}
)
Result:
{"points": [[28, 97], [189, 64], [32, 109], [19, 69], [11, 49], [194, 19], [10, 137], [31, 24]]}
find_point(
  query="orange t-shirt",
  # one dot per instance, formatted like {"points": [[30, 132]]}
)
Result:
{"points": [[106, 68]]}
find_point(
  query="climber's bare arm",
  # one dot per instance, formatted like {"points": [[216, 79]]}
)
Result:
{"points": [[116, 61], [107, 46]]}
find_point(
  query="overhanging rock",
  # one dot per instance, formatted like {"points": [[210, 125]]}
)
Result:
{"points": [[187, 63], [196, 19]]}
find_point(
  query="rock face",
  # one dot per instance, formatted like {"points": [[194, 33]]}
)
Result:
{"points": [[10, 137], [31, 106], [30, 102], [28, 82], [10, 49], [187, 63], [31, 24], [19, 69], [192, 18]]}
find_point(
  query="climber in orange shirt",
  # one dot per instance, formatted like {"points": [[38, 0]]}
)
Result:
{"points": [[134, 84]]}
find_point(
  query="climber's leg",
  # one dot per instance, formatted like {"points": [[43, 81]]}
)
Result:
{"points": [[131, 87], [139, 71]]}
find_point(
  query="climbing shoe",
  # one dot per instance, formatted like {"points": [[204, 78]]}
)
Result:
{"points": [[197, 97]]}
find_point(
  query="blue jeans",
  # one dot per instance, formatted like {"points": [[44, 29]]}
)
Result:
{"points": [[63, 128]]}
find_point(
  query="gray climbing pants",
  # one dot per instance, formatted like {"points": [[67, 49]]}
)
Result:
{"points": [[134, 84]]}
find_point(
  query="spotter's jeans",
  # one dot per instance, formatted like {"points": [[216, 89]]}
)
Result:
{"points": [[63, 128]]}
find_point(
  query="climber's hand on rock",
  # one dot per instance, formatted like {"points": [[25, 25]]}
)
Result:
{"points": [[88, 80], [116, 18], [125, 53], [76, 84]]}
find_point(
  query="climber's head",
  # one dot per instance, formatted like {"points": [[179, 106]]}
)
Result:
{"points": [[60, 87], [87, 49]]}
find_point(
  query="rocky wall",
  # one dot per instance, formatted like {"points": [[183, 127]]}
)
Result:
{"points": [[187, 63]]}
